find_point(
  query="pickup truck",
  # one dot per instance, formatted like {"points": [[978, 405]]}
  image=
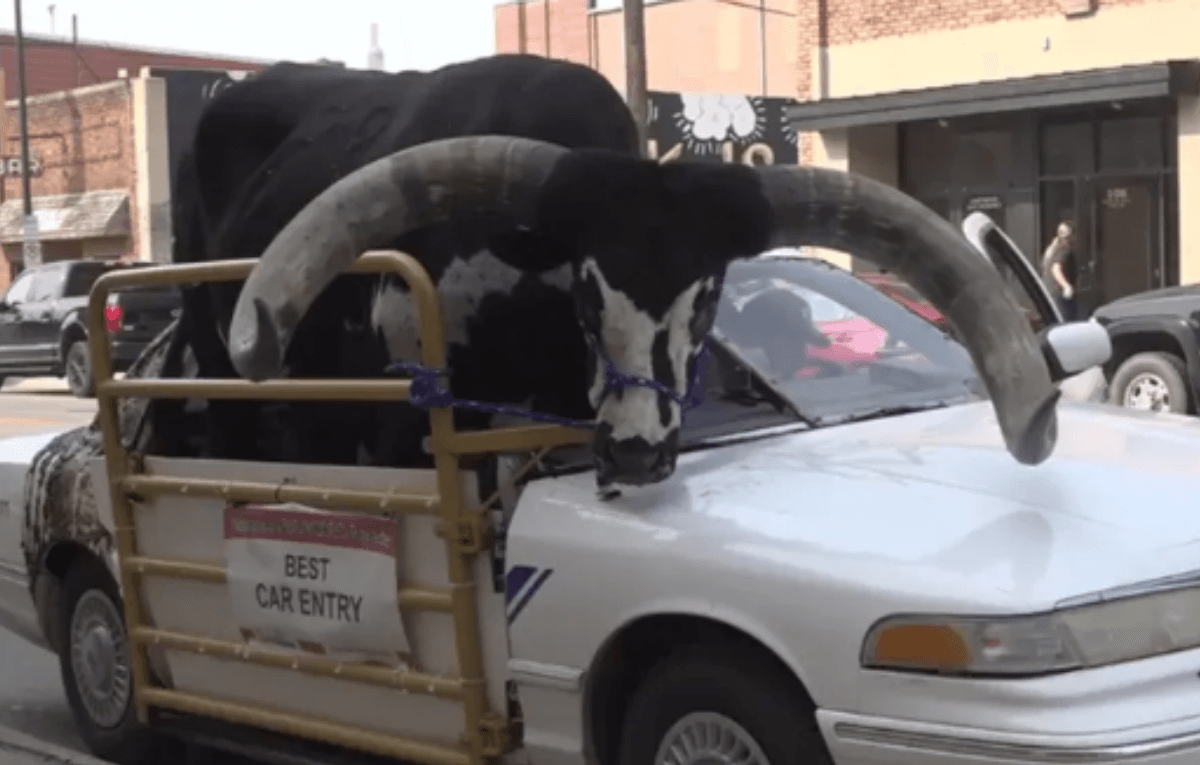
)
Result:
{"points": [[845, 569], [43, 330]]}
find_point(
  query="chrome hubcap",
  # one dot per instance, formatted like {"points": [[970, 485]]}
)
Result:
{"points": [[100, 659], [1147, 391], [708, 738]]}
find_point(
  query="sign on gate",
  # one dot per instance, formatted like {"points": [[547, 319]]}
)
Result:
{"points": [[315, 581]]}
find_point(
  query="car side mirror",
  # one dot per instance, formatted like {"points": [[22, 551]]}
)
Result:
{"points": [[1072, 347]]}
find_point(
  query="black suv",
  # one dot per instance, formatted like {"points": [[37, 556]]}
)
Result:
{"points": [[1156, 349], [43, 322]]}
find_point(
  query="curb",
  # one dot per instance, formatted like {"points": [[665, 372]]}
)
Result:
{"points": [[18, 748]]}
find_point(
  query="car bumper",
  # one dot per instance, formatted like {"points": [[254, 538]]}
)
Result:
{"points": [[125, 352], [1145, 712], [859, 740]]}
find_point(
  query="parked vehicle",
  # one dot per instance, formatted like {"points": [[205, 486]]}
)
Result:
{"points": [[1156, 349], [43, 326]]}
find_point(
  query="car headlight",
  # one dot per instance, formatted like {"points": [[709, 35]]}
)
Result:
{"points": [[1079, 637]]}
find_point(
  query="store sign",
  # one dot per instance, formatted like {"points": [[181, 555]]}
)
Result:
{"points": [[10, 167], [989, 203], [1116, 198], [720, 128]]}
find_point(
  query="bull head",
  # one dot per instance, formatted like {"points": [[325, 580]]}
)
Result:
{"points": [[646, 293]]}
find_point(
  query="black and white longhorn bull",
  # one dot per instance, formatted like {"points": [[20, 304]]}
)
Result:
{"points": [[559, 256]]}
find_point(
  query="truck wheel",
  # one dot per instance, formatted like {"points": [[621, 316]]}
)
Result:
{"points": [[95, 664], [1151, 381], [704, 705], [79, 369]]}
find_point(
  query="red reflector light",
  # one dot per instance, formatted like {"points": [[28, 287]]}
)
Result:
{"points": [[112, 317]]}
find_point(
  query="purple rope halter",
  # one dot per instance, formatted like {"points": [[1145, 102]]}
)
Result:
{"points": [[428, 392]]}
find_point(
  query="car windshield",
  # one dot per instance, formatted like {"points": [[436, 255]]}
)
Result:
{"points": [[798, 340]]}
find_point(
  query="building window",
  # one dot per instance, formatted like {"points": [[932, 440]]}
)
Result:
{"points": [[1066, 148]]}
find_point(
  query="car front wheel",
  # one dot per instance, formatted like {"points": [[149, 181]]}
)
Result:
{"points": [[79, 369], [1151, 381], [708, 705]]}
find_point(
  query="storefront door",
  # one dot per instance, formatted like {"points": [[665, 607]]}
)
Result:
{"points": [[1126, 234]]}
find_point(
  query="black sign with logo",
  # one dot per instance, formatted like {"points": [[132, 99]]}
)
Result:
{"points": [[721, 128]]}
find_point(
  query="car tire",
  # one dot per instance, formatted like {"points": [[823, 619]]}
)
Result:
{"points": [[760, 714], [78, 369], [94, 661], [1151, 381]]}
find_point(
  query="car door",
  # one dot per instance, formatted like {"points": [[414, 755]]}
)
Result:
{"points": [[1076, 348], [39, 320], [13, 352], [1016, 269]]}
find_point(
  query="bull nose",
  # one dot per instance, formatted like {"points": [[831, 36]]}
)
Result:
{"points": [[634, 461]]}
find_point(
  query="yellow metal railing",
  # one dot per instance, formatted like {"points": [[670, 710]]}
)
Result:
{"points": [[466, 531]]}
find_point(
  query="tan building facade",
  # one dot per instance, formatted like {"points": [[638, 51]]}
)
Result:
{"points": [[1034, 111], [692, 46]]}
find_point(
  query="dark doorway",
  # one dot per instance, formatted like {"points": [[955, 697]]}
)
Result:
{"points": [[1126, 230]]}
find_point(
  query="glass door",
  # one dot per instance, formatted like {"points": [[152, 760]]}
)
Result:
{"points": [[1127, 236]]}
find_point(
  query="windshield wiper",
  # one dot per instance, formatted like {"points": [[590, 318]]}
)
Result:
{"points": [[770, 392]]}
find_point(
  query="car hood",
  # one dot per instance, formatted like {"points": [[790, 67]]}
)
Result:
{"points": [[1170, 300], [932, 502]]}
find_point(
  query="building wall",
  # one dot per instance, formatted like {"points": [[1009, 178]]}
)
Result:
{"points": [[84, 139], [694, 46], [53, 64], [568, 29], [863, 47]]}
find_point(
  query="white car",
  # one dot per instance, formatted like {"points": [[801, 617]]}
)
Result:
{"points": [[847, 567]]}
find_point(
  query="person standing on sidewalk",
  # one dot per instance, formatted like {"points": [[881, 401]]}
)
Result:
{"points": [[1058, 270]]}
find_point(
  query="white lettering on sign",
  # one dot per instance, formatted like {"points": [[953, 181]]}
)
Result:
{"points": [[316, 581], [10, 167], [754, 154]]}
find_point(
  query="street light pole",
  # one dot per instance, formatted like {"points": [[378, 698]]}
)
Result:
{"points": [[31, 250], [636, 94]]}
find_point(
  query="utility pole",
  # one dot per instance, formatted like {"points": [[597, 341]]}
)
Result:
{"points": [[635, 68], [31, 249], [521, 34]]}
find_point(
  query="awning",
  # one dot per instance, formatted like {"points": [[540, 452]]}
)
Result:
{"points": [[85, 215], [1160, 80]]}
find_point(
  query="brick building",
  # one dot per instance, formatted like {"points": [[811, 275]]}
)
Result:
{"points": [[100, 152]]}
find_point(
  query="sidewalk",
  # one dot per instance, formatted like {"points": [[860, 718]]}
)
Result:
{"points": [[16, 748], [37, 385]]}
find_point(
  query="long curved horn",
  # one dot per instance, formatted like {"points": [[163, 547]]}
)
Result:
{"points": [[375, 204], [831, 209]]}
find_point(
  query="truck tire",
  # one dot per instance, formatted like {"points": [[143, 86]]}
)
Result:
{"points": [[1151, 381], [95, 665], [78, 369], [761, 718]]}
